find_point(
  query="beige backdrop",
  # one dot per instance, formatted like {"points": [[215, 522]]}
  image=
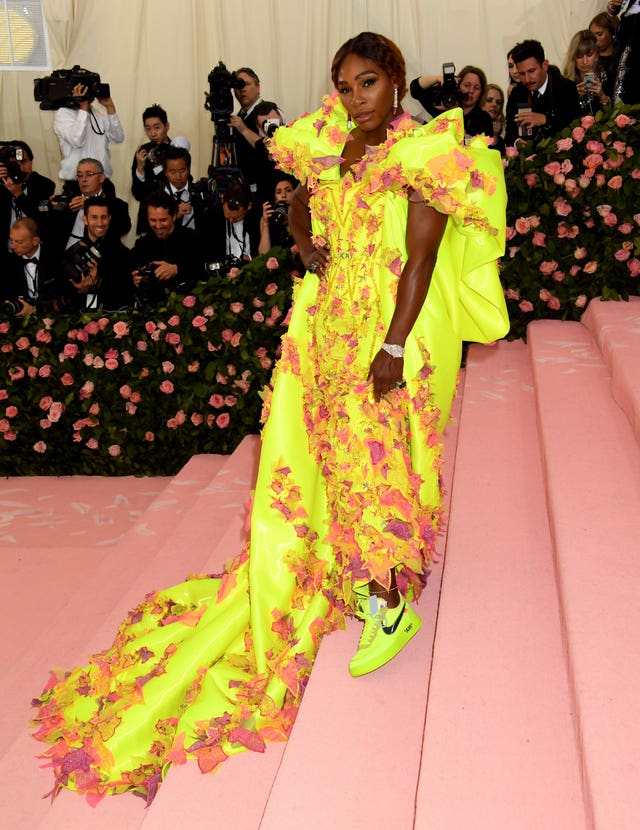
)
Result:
{"points": [[162, 51]]}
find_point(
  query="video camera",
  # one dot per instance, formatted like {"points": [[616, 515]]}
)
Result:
{"points": [[219, 99], [447, 94], [11, 155], [56, 90]]}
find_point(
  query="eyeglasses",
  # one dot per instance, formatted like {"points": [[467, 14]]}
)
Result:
{"points": [[88, 175]]}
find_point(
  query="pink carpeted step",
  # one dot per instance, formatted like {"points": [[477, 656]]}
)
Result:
{"points": [[616, 329], [592, 464], [90, 599], [499, 748]]}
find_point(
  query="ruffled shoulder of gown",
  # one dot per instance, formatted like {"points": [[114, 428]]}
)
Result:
{"points": [[465, 182]]}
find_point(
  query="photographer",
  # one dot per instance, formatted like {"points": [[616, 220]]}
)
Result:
{"points": [[274, 224], [233, 231], [29, 279], [438, 93], [66, 216], [167, 258], [97, 267], [147, 170], [86, 131], [21, 188], [542, 102], [176, 181]]}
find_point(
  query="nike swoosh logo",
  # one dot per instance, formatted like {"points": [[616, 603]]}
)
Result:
{"points": [[391, 629]]}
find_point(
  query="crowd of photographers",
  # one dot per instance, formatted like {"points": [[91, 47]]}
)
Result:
{"points": [[65, 251]]}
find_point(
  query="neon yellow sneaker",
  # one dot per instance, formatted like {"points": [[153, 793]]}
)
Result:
{"points": [[386, 632]]}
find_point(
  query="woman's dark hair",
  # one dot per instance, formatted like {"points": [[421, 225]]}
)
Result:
{"points": [[475, 70], [605, 21], [379, 49]]}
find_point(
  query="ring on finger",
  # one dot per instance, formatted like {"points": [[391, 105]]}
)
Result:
{"points": [[400, 384], [313, 267]]}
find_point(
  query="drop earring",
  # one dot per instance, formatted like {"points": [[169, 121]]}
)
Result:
{"points": [[395, 100], [349, 123]]}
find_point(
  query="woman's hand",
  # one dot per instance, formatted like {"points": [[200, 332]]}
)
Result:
{"points": [[385, 374], [316, 259]]}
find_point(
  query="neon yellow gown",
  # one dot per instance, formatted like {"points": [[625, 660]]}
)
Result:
{"points": [[347, 489]]}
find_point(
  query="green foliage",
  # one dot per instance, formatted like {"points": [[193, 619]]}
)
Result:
{"points": [[140, 393]]}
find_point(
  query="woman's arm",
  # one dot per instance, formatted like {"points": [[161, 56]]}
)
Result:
{"points": [[264, 246], [300, 226], [425, 227]]}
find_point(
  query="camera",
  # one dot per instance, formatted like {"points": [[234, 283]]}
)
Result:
{"points": [[219, 99], [447, 94], [221, 269], [524, 131], [81, 255], [157, 152], [280, 215], [10, 156], [56, 90], [269, 126], [11, 307]]}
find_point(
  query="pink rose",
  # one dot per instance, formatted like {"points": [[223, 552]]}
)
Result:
{"points": [[189, 301], [562, 207], [149, 436], [564, 144], [525, 306], [167, 367], [82, 336], [70, 350], [511, 152], [230, 400], [97, 362], [199, 322], [591, 267], [592, 161], [558, 276], [233, 273], [217, 401], [114, 450], [172, 338], [167, 387], [45, 402], [194, 366], [87, 389], [580, 253], [174, 320], [111, 363], [94, 409], [196, 419], [575, 269], [56, 410], [67, 379], [623, 120], [615, 182], [610, 220], [180, 417], [235, 340], [91, 444], [272, 264], [625, 228], [588, 121], [22, 343], [271, 289], [621, 255], [226, 335], [3, 394], [236, 307], [522, 225], [581, 301], [554, 303], [45, 423], [223, 420], [545, 296], [141, 346], [125, 390], [595, 147], [43, 336], [11, 411], [5, 426], [531, 179], [120, 329], [552, 168], [172, 423], [257, 303], [150, 327], [603, 210], [548, 267], [92, 327], [40, 446], [539, 239], [17, 373], [130, 408], [135, 397], [634, 267], [32, 372], [510, 294]]}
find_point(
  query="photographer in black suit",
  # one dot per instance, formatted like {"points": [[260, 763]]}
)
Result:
{"points": [[66, 216], [29, 280], [97, 268], [543, 102], [167, 258], [22, 189]]}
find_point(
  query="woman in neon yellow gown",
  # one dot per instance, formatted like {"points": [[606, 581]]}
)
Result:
{"points": [[347, 501]]}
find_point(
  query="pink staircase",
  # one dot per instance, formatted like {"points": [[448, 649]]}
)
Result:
{"points": [[514, 707]]}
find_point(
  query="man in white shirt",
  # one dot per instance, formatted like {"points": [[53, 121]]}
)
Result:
{"points": [[85, 132]]}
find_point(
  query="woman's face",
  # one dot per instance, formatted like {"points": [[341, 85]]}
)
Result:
{"points": [[283, 192], [366, 91], [471, 89], [513, 71], [586, 62], [494, 103], [603, 36]]}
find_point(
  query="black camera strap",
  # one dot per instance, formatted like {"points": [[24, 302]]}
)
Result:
{"points": [[95, 124]]}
